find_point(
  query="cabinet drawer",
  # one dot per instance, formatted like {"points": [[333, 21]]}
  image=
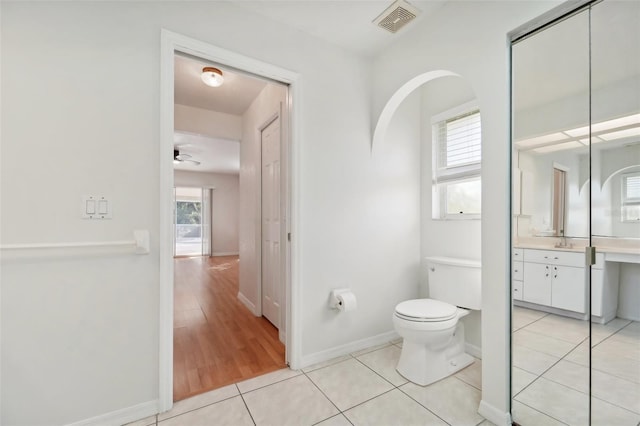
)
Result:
{"points": [[517, 290], [517, 254], [517, 272], [555, 257]]}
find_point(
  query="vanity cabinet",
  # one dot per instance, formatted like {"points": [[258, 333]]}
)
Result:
{"points": [[558, 279], [555, 279]]}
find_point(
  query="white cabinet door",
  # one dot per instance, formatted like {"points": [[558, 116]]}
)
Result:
{"points": [[568, 288], [537, 283]]}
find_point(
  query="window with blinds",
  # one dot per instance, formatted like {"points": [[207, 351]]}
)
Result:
{"points": [[457, 149], [631, 197], [459, 141]]}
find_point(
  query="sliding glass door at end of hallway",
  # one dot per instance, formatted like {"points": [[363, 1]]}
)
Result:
{"points": [[192, 220]]}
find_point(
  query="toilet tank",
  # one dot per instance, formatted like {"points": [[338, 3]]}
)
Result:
{"points": [[455, 281]]}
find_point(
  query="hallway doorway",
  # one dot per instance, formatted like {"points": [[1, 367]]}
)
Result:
{"points": [[190, 138]]}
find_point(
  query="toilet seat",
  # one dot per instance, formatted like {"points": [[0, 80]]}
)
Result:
{"points": [[426, 310]]}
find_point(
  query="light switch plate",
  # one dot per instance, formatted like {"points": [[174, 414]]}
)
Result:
{"points": [[96, 207], [88, 207]]}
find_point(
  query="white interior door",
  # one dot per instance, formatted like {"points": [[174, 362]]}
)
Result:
{"points": [[271, 279]]}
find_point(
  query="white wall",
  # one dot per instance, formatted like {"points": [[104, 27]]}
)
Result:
{"points": [[224, 207], [469, 38], [538, 196], [206, 122], [607, 168], [614, 164], [100, 98], [613, 101]]}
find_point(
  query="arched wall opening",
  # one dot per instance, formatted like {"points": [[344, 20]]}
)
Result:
{"points": [[425, 98]]}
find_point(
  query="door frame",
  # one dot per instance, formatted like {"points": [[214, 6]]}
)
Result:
{"points": [[170, 43]]}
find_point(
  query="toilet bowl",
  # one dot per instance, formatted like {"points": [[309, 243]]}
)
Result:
{"points": [[433, 337], [433, 346]]}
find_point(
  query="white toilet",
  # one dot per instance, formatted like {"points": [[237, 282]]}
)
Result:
{"points": [[433, 338]]}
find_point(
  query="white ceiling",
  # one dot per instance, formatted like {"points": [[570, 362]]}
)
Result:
{"points": [[233, 97], [215, 155], [346, 23]]}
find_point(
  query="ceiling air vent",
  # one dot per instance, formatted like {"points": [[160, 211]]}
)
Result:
{"points": [[396, 16]]}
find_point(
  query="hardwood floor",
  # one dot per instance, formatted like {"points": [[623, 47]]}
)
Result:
{"points": [[217, 340]]}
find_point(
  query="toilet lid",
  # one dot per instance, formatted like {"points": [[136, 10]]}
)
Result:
{"points": [[426, 310]]}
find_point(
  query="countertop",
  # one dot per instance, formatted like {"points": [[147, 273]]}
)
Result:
{"points": [[602, 245]]}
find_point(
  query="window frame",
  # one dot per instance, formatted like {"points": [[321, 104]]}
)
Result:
{"points": [[627, 202], [442, 178]]}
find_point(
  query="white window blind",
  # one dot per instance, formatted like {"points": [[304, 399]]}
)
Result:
{"points": [[630, 207], [459, 140], [631, 189]]}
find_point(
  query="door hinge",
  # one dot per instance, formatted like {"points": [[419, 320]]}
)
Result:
{"points": [[590, 255], [288, 236]]}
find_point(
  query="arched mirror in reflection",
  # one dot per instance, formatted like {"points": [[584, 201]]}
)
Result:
{"points": [[576, 184]]}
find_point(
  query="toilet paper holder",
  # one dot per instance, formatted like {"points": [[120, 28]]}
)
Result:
{"points": [[335, 302]]}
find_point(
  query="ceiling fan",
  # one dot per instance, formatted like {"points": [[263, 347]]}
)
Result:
{"points": [[179, 157]]}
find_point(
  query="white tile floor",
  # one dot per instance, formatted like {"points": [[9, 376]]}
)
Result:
{"points": [[358, 389], [551, 370]]}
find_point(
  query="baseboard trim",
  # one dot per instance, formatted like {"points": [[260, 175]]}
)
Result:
{"points": [[494, 415], [473, 350], [348, 348], [628, 317], [248, 303], [123, 416], [225, 253]]}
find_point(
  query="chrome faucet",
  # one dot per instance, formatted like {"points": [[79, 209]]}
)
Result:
{"points": [[563, 243]]}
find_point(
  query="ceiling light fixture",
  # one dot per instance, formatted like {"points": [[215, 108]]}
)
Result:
{"points": [[212, 77]]}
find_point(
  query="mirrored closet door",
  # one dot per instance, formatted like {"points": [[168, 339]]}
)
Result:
{"points": [[576, 184]]}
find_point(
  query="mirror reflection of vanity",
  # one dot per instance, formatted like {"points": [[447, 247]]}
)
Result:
{"points": [[576, 184]]}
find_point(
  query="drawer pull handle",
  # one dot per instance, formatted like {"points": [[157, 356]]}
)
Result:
{"points": [[556, 257]]}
